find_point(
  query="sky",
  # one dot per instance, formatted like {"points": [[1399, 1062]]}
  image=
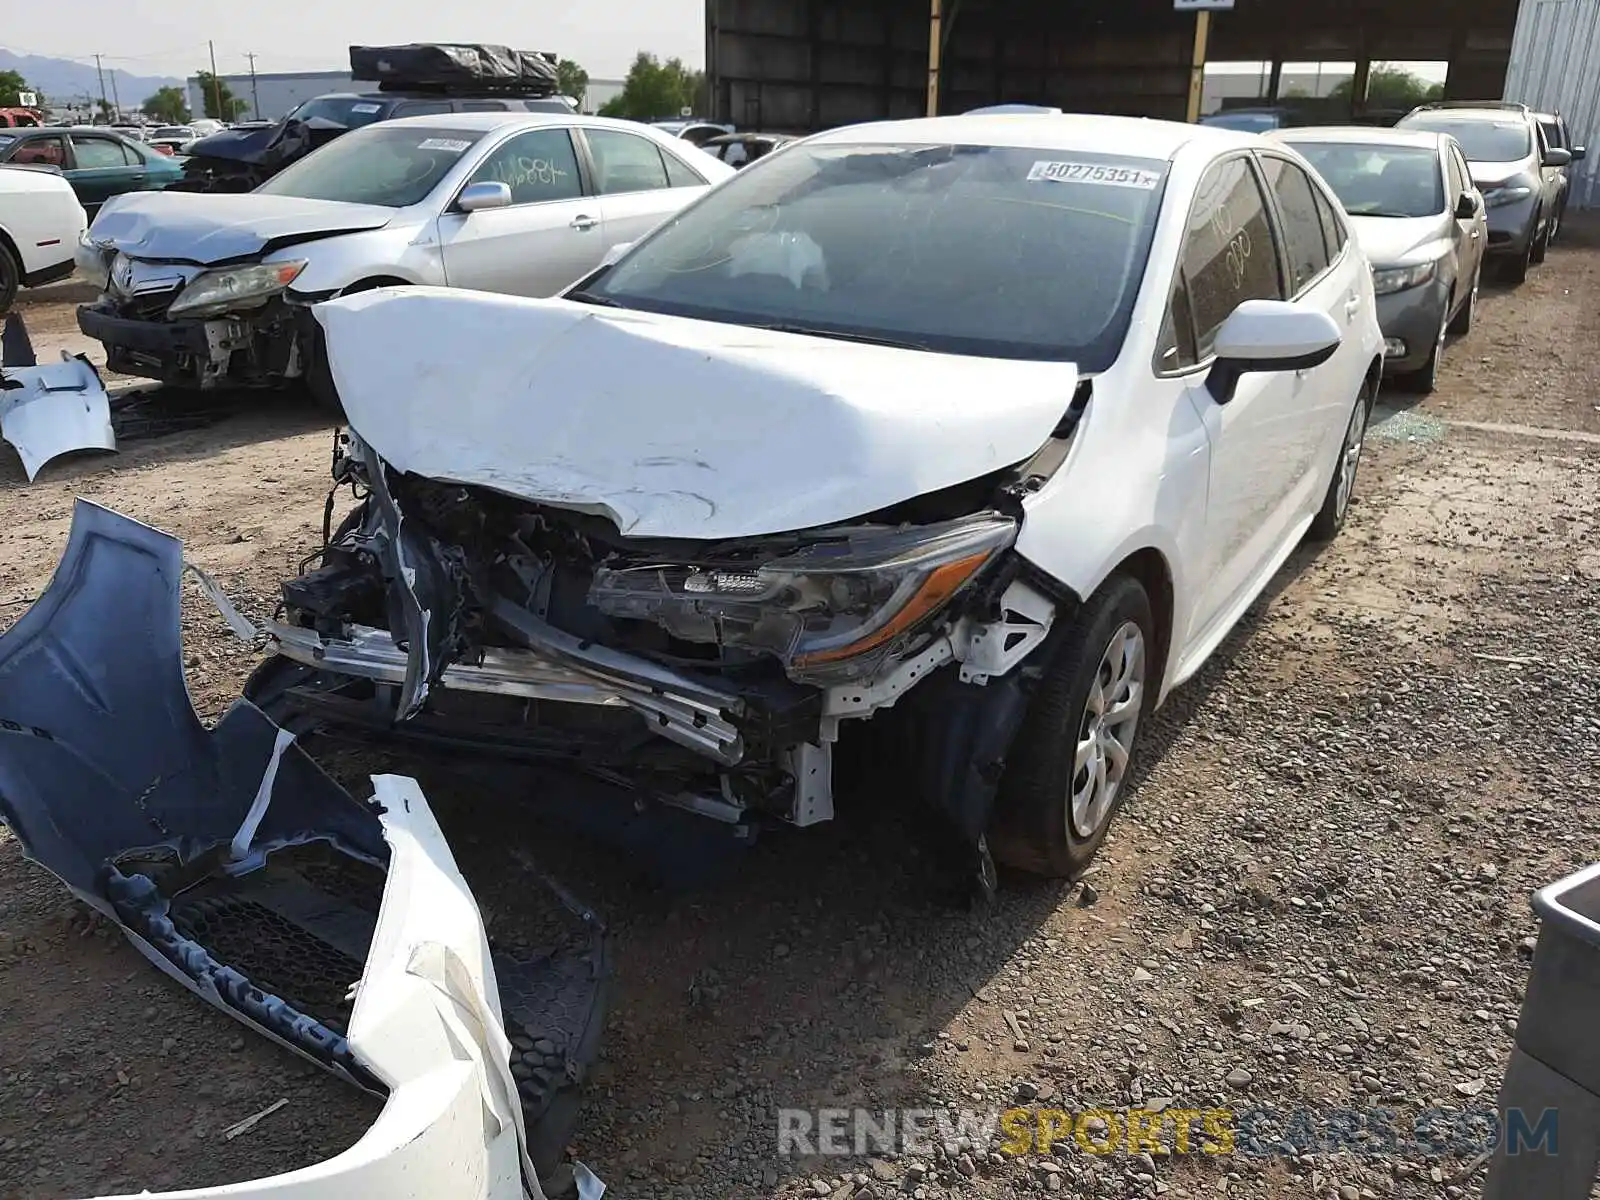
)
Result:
{"points": [[305, 35]]}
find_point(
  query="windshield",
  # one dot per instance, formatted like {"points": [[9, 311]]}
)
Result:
{"points": [[981, 250], [350, 111], [391, 165], [1481, 140], [172, 131], [1379, 181]]}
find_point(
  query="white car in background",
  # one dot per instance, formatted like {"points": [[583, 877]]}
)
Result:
{"points": [[203, 289], [40, 224], [999, 424]]}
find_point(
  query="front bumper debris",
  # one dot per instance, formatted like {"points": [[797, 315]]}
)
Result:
{"points": [[243, 871], [256, 349], [47, 411]]}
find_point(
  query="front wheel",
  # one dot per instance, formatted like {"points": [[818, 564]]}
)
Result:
{"points": [[1336, 504], [1541, 243], [1069, 770], [1461, 323], [10, 279]]}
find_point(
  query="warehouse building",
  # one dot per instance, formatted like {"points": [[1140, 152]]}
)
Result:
{"points": [[271, 95], [1555, 67]]}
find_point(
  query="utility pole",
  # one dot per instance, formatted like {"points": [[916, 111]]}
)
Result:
{"points": [[935, 54], [116, 100], [102, 76], [255, 96], [216, 84]]}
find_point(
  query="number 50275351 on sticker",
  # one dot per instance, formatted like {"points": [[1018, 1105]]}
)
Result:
{"points": [[1103, 174]]}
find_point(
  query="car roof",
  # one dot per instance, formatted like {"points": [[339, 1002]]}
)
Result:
{"points": [[1372, 135], [1130, 137], [485, 121], [109, 130], [1501, 115]]}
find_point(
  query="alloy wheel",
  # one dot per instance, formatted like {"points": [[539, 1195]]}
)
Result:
{"points": [[1350, 457], [1105, 733]]}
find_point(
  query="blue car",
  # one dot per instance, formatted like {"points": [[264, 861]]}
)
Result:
{"points": [[97, 162]]}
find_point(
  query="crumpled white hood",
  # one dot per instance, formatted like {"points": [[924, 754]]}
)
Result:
{"points": [[673, 427]]}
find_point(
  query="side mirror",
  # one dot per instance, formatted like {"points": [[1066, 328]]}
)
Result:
{"points": [[1269, 335], [616, 252], [1578, 152], [476, 197], [1557, 157], [1467, 206]]}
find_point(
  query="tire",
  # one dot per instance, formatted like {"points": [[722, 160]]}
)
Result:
{"points": [[1426, 377], [1037, 826], [1555, 225], [1516, 271], [319, 376], [10, 278], [1539, 247], [1336, 503], [1461, 323]]}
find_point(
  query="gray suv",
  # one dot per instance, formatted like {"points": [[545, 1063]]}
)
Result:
{"points": [[1519, 173]]}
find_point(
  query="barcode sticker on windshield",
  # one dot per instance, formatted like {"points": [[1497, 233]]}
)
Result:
{"points": [[365, 108], [456, 145], [1096, 173]]}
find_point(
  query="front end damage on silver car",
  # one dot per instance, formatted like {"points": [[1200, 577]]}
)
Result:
{"points": [[340, 929], [712, 676]]}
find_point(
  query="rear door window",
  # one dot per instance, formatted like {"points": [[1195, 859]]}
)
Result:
{"points": [[625, 162], [1302, 227], [97, 153]]}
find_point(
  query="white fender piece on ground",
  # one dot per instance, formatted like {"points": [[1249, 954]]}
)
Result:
{"points": [[51, 410]]}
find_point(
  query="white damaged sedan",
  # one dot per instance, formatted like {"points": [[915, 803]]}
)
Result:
{"points": [[990, 428]]}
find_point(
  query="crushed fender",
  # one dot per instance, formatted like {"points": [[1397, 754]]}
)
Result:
{"points": [[339, 928], [51, 410]]}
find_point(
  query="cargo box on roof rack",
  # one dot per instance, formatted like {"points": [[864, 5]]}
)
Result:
{"points": [[446, 67]]}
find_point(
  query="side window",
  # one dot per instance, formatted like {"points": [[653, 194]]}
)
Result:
{"points": [[1332, 224], [96, 153], [1453, 179], [46, 151], [624, 162], [1302, 227], [537, 166], [1228, 254], [1176, 350], [420, 108], [680, 173], [484, 106]]}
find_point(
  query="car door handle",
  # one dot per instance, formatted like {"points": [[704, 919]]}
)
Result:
{"points": [[584, 223]]}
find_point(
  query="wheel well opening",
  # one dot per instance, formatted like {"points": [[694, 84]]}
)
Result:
{"points": [[1374, 377], [10, 248], [377, 281], [1150, 569]]}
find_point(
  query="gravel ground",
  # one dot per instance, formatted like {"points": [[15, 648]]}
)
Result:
{"points": [[1314, 904]]}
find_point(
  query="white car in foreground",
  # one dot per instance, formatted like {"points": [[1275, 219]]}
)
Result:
{"points": [[1001, 424], [203, 289], [40, 224]]}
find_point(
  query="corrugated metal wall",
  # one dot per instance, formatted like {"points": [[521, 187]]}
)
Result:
{"points": [[1555, 64]]}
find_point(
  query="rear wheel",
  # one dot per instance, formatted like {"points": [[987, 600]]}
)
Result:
{"points": [[1069, 771]]}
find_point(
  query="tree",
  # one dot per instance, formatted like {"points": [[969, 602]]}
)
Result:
{"points": [[220, 102], [1389, 86], [12, 85], [572, 80], [656, 89], [168, 105]]}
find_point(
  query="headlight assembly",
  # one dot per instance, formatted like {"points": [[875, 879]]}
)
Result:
{"points": [[235, 287], [1398, 279], [830, 612], [93, 261]]}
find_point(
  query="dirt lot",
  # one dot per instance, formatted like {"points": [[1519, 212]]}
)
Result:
{"points": [[1315, 903]]}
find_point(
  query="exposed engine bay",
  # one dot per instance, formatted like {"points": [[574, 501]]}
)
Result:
{"points": [[713, 676]]}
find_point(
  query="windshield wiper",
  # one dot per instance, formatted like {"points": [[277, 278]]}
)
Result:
{"points": [[869, 339], [591, 298]]}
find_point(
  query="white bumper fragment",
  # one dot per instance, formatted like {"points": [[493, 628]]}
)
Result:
{"points": [[427, 1022], [49, 410]]}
